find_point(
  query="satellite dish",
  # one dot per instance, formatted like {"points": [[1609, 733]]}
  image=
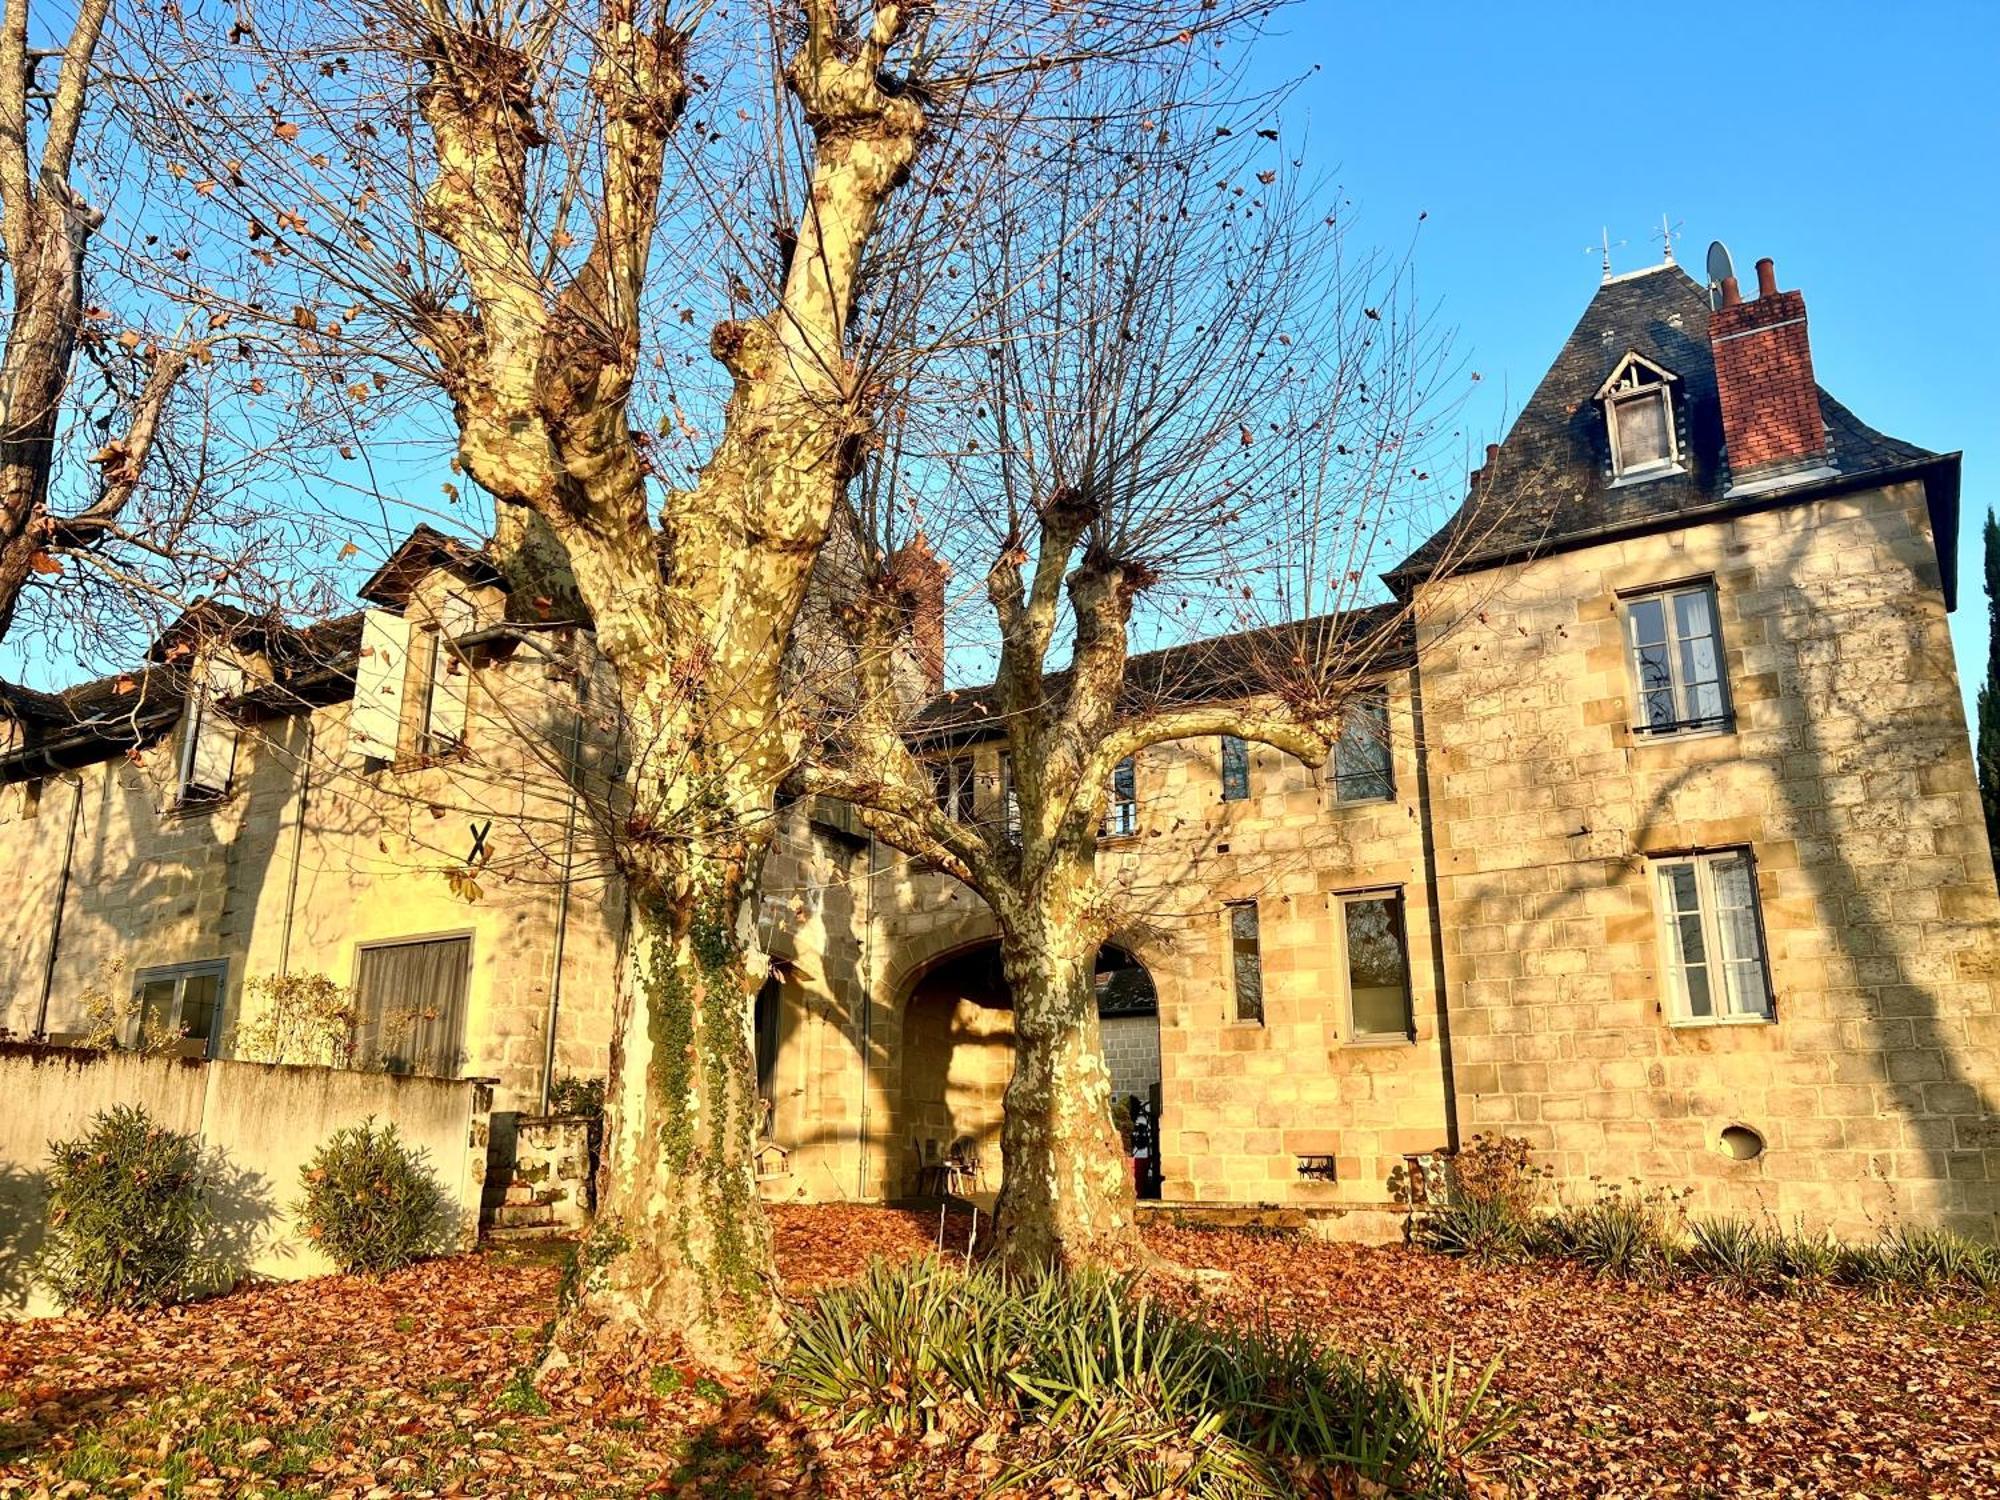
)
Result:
{"points": [[1720, 269]]}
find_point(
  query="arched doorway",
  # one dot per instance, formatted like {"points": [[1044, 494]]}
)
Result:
{"points": [[958, 1053]]}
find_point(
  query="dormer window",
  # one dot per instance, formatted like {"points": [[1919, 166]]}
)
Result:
{"points": [[208, 734], [1638, 403]]}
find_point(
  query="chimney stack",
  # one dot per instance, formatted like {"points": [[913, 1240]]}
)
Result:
{"points": [[1771, 422], [919, 579]]}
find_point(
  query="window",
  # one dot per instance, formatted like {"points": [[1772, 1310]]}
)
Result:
{"points": [[1121, 817], [1361, 766], [208, 745], [1246, 961], [1377, 962], [446, 704], [184, 1001], [1010, 801], [1712, 942], [1639, 411], [1235, 769], [951, 784], [409, 1006], [1677, 661]]}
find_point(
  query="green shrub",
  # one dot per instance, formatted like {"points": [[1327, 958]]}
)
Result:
{"points": [[577, 1098], [1488, 1211], [372, 1204], [1114, 1392], [1617, 1233], [1485, 1231], [127, 1215], [1736, 1254], [1920, 1263]]}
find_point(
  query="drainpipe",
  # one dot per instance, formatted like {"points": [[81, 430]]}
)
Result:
{"points": [[41, 1032], [298, 849], [867, 1011], [1426, 812], [575, 774]]}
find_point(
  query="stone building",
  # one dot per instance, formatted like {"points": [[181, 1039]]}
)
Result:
{"points": [[1657, 842]]}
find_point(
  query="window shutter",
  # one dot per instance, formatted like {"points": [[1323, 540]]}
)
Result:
{"points": [[211, 754], [450, 676], [377, 717]]}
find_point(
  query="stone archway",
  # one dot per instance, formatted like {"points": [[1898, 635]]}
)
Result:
{"points": [[958, 1053]]}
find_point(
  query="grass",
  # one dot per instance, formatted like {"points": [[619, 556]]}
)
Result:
{"points": [[1106, 1387], [195, 1433]]}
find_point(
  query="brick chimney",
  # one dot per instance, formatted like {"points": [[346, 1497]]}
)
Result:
{"points": [[919, 579], [1771, 423]]}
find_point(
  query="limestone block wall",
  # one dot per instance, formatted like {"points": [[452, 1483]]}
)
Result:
{"points": [[1132, 1053], [1848, 776], [316, 854]]}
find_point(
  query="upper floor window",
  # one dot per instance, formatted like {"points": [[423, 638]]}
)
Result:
{"points": [[951, 786], [1376, 960], [446, 703], [1246, 961], [1010, 800], [1362, 771], [1711, 938], [1638, 404], [1121, 813], [1677, 661], [208, 745], [1235, 769]]}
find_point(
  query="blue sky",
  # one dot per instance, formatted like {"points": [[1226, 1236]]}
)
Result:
{"points": [[1857, 144]]}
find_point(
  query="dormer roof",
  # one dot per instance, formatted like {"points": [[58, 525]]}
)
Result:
{"points": [[425, 550]]}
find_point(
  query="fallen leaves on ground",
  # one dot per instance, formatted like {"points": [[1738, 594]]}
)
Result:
{"points": [[420, 1384]]}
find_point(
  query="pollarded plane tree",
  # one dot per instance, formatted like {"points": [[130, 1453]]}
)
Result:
{"points": [[531, 212], [1200, 414]]}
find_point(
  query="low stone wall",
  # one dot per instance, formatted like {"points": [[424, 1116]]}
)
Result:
{"points": [[549, 1189], [261, 1124]]}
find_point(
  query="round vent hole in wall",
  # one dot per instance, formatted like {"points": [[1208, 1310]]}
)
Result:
{"points": [[1741, 1143]]}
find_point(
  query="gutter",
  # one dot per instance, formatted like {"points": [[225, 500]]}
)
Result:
{"points": [[298, 850], [563, 899]]}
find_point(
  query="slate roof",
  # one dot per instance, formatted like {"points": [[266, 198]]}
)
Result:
{"points": [[1377, 638], [1551, 485]]}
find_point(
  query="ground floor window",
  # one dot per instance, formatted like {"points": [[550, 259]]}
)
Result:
{"points": [[1376, 962], [1712, 938], [183, 1000], [409, 1006], [1246, 961]]}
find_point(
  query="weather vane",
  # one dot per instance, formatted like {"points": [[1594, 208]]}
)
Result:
{"points": [[1669, 232], [1604, 247]]}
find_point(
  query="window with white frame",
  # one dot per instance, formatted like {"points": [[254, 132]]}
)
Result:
{"points": [[1375, 963], [951, 786], [1676, 654], [208, 742], [1121, 813], [1639, 411], [1010, 800], [448, 700], [1711, 938], [1246, 961], [1362, 768], [180, 1000], [1235, 769]]}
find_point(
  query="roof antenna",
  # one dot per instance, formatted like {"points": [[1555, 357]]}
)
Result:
{"points": [[1605, 247], [1668, 231]]}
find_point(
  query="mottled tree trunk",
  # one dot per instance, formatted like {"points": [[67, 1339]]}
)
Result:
{"points": [[681, 1249], [1067, 1195]]}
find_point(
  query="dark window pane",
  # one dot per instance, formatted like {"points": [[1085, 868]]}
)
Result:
{"points": [[1121, 818], [1642, 431], [1361, 766], [1378, 969], [156, 1011], [1247, 961], [1235, 769]]}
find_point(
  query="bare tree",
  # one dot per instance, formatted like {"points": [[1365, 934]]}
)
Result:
{"points": [[47, 226], [506, 205], [1191, 411]]}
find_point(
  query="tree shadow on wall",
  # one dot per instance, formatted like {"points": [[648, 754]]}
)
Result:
{"points": [[23, 1214]]}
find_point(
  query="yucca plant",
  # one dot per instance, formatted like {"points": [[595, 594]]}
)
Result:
{"points": [[1617, 1234], [1112, 1389], [1735, 1254]]}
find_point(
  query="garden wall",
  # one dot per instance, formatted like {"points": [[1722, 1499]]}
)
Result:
{"points": [[261, 1124]]}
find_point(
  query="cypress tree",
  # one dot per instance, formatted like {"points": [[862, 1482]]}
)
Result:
{"points": [[1988, 747]]}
